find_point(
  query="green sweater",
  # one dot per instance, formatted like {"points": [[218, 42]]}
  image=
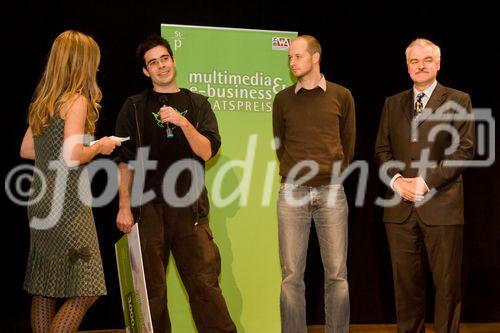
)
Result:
{"points": [[314, 125]]}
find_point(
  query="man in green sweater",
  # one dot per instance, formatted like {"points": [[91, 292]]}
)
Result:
{"points": [[314, 127]]}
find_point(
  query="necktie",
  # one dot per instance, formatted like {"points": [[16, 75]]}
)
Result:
{"points": [[419, 106]]}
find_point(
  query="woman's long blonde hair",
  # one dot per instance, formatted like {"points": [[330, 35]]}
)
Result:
{"points": [[70, 71]]}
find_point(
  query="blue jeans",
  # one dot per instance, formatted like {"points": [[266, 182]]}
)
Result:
{"points": [[327, 206]]}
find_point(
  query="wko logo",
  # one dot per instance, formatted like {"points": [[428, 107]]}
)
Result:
{"points": [[281, 43]]}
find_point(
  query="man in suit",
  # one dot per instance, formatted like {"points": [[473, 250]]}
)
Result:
{"points": [[429, 218]]}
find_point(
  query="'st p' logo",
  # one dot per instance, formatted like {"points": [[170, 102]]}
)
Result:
{"points": [[177, 40]]}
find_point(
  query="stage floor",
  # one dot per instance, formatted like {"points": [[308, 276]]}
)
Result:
{"points": [[391, 328], [380, 328]]}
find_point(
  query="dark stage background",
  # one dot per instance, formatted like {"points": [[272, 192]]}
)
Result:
{"points": [[363, 50]]}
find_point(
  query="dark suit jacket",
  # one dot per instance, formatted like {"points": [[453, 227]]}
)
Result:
{"points": [[394, 143]]}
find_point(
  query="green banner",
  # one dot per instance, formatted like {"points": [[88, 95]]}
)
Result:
{"points": [[240, 71], [132, 283]]}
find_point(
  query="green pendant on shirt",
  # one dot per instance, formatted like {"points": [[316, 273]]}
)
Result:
{"points": [[158, 119]]}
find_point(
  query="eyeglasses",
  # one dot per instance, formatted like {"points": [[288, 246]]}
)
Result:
{"points": [[155, 63]]}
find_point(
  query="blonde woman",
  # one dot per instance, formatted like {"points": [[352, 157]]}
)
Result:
{"points": [[64, 259]]}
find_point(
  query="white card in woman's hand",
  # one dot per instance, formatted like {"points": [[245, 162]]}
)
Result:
{"points": [[116, 138]]}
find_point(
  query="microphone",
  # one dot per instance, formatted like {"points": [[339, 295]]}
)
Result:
{"points": [[164, 103]]}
